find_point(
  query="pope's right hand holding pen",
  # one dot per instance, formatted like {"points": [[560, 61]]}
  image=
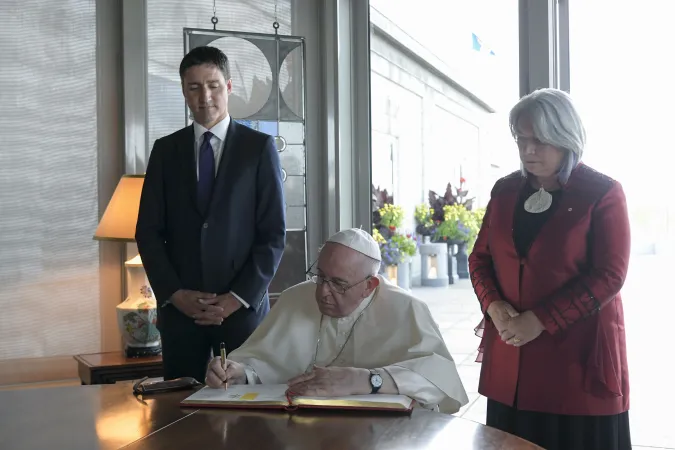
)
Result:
{"points": [[222, 371]]}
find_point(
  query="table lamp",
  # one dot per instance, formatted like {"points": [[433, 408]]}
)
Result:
{"points": [[137, 314]]}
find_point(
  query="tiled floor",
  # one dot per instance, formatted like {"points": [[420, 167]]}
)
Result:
{"points": [[648, 307]]}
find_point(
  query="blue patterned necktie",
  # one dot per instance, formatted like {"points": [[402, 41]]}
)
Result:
{"points": [[207, 173]]}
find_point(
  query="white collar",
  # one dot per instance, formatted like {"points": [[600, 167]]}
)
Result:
{"points": [[219, 130]]}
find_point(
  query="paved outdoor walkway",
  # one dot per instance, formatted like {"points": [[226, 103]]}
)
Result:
{"points": [[651, 354]]}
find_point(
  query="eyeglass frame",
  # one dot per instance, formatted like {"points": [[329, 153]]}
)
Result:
{"points": [[316, 278], [522, 141]]}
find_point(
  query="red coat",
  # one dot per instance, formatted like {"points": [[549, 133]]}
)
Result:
{"points": [[571, 280]]}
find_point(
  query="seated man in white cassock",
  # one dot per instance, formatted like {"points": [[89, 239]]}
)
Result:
{"points": [[348, 331]]}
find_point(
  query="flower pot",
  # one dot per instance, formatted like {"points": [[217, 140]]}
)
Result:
{"points": [[404, 275], [434, 259], [462, 259], [391, 272], [452, 263]]}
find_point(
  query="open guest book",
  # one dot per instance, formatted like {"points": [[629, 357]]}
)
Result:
{"points": [[275, 396]]}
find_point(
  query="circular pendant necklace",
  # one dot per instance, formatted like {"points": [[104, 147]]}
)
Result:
{"points": [[538, 202]]}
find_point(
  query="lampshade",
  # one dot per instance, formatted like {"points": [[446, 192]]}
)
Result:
{"points": [[119, 219]]}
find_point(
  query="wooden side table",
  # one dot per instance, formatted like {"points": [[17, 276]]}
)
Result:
{"points": [[110, 367]]}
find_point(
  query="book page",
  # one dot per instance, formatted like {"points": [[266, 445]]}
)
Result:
{"points": [[240, 394], [374, 401]]}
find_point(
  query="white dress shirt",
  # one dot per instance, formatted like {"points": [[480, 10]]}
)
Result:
{"points": [[219, 132]]}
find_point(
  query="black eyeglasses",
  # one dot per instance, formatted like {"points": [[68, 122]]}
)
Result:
{"points": [[334, 285]]}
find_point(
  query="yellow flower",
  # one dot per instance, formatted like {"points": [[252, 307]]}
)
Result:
{"points": [[391, 215], [378, 236]]}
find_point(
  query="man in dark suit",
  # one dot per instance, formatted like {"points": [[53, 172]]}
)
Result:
{"points": [[211, 225]]}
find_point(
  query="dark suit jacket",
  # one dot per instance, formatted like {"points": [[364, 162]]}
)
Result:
{"points": [[571, 280], [237, 245]]}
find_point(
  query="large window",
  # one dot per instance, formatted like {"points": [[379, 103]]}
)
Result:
{"points": [[621, 77], [49, 264], [623, 84], [443, 78]]}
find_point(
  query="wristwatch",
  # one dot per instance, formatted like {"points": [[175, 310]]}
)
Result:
{"points": [[375, 381]]}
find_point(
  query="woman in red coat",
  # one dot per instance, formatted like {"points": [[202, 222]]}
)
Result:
{"points": [[547, 267]]}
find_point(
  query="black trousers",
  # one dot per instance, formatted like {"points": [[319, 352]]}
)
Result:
{"points": [[188, 347]]}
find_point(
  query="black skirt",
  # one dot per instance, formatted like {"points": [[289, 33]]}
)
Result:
{"points": [[560, 432]]}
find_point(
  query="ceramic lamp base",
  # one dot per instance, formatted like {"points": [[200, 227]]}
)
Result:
{"points": [[137, 315]]}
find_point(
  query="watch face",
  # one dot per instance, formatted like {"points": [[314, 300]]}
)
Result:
{"points": [[376, 380]]}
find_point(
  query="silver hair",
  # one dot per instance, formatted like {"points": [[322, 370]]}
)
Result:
{"points": [[556, 122]]}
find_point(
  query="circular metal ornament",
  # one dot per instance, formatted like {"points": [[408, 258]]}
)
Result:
{"points": [[539, 202], [280, 142]]}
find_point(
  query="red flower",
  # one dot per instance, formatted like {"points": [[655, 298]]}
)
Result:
{"points": [[408, 235], [392, 228], [462, 180]]}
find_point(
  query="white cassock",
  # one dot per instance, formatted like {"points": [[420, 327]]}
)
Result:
{"points": [[390, 330]]}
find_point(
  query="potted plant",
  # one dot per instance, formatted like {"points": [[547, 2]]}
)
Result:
{"points": [[460, 227], [396, 248], [407, 245], [452, 196], [455, 227], [454, 232], [391, 217], [380, 197], [424, 223], [390, 254]]}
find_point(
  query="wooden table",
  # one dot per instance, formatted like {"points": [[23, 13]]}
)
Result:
{"points": [[109, 417], [111, 367]]}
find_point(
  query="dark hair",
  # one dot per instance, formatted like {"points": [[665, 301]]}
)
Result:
{"points": [[205, 55]]}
